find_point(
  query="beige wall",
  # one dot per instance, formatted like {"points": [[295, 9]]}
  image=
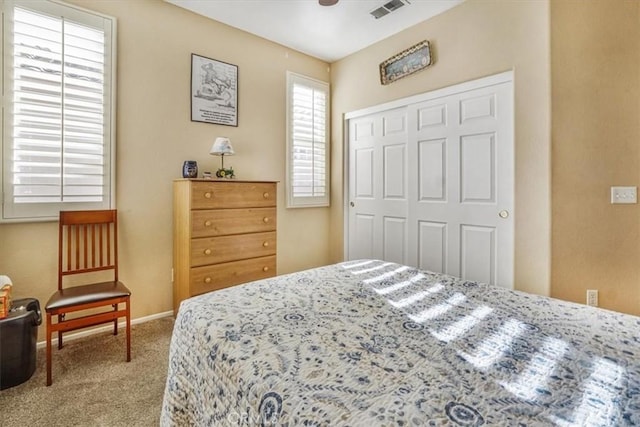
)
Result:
{"points": [[155, 135], [476, 39], [595, 56]]}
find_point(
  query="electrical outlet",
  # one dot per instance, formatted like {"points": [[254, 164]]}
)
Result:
{"points": [[625, 195], [592, 297]]}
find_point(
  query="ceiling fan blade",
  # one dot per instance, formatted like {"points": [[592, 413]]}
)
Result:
{"points": [[327, 2]]}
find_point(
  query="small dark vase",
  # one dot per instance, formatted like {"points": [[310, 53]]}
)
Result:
{"points": [[190, 169]]}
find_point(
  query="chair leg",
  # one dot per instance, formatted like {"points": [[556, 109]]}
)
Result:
{"points": [[60, 320], [49, 349], [128, 331], [115, 322]]}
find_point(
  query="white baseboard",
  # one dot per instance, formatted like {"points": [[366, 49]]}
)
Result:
{"points": [[89, 332]]}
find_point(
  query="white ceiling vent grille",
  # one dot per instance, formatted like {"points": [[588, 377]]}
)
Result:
{"points": [[387, 8]]}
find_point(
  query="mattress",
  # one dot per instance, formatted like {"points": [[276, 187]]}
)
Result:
{"points": [[368, 343]]}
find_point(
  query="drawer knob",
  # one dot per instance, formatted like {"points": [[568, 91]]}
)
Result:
{"points": [[265, 195], [207, 223], [207, 280], [265, 244], [207, 195], [265, 268], [265, 219], [207, 251]]}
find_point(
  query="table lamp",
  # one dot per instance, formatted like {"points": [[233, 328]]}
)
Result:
{"points": [[222, 147]]}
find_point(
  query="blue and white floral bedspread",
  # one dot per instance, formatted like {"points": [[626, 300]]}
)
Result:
{"points": [[369, 343]]}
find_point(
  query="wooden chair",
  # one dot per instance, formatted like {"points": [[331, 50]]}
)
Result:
{"points": [[87, 244]]}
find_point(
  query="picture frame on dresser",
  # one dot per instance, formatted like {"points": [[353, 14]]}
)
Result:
{"points": [[214, 91]]}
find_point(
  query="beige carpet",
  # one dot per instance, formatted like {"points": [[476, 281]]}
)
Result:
{"points": [[93, 385]]}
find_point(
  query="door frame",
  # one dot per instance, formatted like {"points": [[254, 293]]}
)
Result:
{"points": [[504, 77]]}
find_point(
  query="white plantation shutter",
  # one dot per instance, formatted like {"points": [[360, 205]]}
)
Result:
{"points": [[307, 141], [57, 136]]}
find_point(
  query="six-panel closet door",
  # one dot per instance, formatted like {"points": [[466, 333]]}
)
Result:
{"points": [[431, 183], [378, 187]]}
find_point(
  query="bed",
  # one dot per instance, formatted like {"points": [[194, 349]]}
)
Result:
{"points": [[368, 343]]}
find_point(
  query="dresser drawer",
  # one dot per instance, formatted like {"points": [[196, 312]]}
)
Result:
{"points": [[219, 276], [222, 222], [212, 250], [212, 195]]}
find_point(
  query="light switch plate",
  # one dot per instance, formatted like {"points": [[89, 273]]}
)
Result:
{"points": [[592, 297], [624, 195]]}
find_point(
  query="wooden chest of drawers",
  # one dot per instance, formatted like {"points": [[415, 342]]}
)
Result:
{"points": [[224, 234]]}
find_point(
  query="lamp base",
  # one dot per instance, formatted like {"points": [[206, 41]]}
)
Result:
{"points": [[225, 173]]}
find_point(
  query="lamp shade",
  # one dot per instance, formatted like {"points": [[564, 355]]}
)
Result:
{"points": [[221, 147]]}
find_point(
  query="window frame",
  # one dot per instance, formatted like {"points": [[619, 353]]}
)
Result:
{"points": [[40, 211], [313, 201]]}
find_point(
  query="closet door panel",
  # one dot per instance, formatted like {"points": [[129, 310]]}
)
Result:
{"points": [[363, 246], [478, 168], [478, 253], [394, 177], [395, 239], [432, 245], [432, 169], [364, 173]]}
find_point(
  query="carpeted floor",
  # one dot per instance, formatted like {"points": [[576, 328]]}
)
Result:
{"points": [[93, 385]]}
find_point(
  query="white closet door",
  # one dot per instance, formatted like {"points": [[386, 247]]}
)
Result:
{"points": [[431, 183], [378, 187], [462, 200]]}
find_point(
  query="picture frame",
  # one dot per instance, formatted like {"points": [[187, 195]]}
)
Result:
{"points": [[214, 91], [409, 61]]}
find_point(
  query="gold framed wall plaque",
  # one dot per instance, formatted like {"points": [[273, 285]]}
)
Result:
{"points": [[409, 61]]}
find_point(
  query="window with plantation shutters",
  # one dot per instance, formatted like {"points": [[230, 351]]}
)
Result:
{"points": [[57, 118], [307, 142]]}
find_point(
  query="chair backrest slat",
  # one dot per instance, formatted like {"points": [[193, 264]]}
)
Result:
{"points": [[100, 242], [87, 238], [69, 257], [93, 244], [109, 245], [84, 232]]}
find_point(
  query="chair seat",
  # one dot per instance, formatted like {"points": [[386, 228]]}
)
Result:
{"points": [[86, 294]]}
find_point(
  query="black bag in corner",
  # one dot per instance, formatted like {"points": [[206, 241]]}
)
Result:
{"points": [[18, 337]]}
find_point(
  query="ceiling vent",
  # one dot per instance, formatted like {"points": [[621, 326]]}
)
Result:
{"points": [[387, 8]]}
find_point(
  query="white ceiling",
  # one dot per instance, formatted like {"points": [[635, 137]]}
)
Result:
{"points": [[326, 32]]}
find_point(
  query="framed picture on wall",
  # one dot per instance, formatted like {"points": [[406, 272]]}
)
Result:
{"points": [[409, 61], [214, 91]]}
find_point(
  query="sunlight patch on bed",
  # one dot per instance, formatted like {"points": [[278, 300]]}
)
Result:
{"points": [[462, 326], [493, 347], [532, 381], [369, 270], [399, 285], [416, 297], [599, 405], [386, 275], [358, 264], [438, 310]]}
